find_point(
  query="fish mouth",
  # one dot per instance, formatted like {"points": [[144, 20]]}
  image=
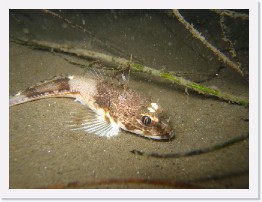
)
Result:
{"points": [[167, 136]]}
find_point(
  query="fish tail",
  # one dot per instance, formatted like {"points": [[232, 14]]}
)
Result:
{"points": [[18, 99], [56, 87]]}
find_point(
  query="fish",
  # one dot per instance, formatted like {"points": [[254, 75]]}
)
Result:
{"points": [[109, 106]]}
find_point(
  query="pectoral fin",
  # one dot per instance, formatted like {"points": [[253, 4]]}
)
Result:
{"points": [[92, 123]]}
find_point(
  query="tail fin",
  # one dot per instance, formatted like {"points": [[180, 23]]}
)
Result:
{"points": [[18, 99], [49, 88]]}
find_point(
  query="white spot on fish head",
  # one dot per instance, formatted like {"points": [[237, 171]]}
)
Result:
{"points": [[151, 109], [154, 105]]}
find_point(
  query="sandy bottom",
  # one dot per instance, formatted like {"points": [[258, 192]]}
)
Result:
{"points": [[45, 153]]}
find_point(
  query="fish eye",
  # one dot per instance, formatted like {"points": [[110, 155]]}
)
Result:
{"points": [[146, 120]]}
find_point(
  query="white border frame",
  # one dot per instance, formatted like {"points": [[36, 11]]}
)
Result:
{"points": [[251, 193]]}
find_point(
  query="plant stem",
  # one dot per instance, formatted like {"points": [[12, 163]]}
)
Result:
{"points": [[117, 61]]}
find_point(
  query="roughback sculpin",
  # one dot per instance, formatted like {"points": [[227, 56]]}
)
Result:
{"points": [[109, 106]]}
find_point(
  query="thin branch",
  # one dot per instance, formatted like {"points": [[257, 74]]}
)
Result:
{"points": [[196, 151], [117, 61], [199, 36], [225, 38], [231, 14]]}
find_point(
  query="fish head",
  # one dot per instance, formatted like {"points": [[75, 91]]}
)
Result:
{"points": [[152, 123]]}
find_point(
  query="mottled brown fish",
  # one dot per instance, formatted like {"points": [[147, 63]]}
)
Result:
{"points": [[109, 106]]}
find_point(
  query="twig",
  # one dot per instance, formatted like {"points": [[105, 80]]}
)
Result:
{"points": [[196, 151], [117, 61], [53, 14], [225, 38], [199, 36], [231, 14]]}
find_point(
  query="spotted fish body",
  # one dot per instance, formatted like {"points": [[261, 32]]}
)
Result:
{"points": [[109, 106]]}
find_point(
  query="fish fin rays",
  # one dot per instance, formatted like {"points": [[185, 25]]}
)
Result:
{"points": [[87, 120], [97, 71], [119, 76]]}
